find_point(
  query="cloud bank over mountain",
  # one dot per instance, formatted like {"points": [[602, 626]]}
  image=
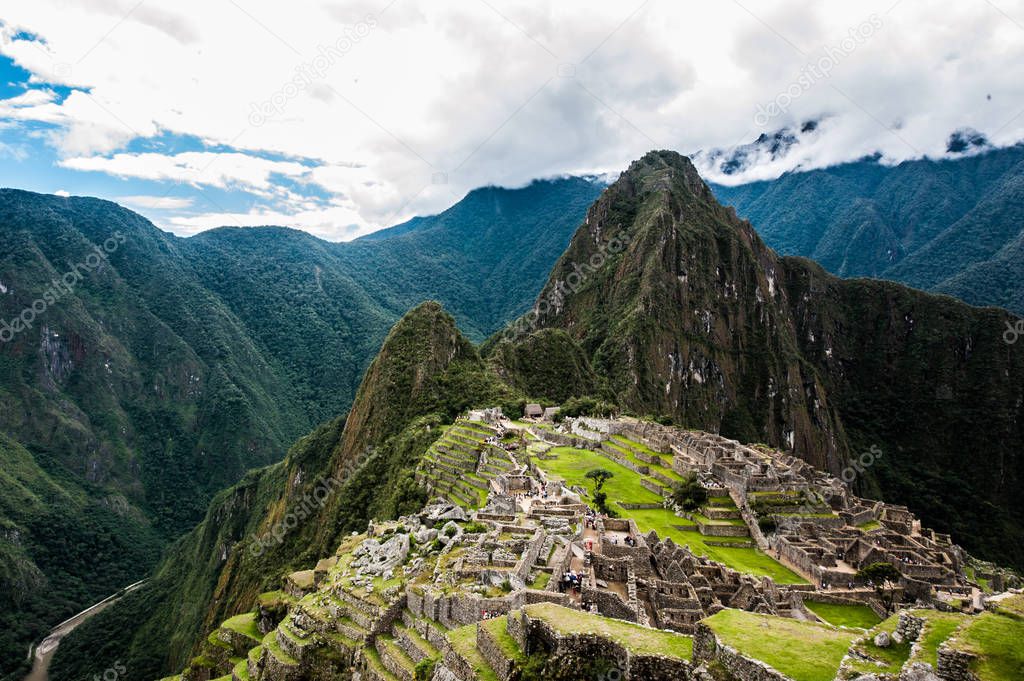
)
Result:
{"points": [[342, 118]]}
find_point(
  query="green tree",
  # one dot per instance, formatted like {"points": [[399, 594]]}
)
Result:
{"points": [[689, 493], [600, 476], [885, 578]]}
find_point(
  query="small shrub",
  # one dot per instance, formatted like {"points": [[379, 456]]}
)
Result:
{"points": [[424, 669]]}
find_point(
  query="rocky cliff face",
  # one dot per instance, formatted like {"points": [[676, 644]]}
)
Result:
{"points": [[685, 313]]}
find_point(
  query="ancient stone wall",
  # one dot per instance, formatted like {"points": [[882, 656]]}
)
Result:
{"points": [[579, 651], [609, 604], [955, 665], [724, 530], [491, 651], [706, 648]]}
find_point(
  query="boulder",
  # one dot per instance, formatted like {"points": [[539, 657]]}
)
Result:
{"points": [[919, 671], [425, 535], [883, 640], [374, 558]]}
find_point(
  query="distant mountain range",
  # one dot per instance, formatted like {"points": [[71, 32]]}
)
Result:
{"points": [[178, 364], [952, 226]]}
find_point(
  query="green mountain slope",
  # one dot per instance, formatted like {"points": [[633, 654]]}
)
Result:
{"points": [[667, 303], [484, 258], [425, 373], [178, 364], [135, 397], [922, 223]]}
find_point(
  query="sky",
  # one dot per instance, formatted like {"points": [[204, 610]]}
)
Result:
{"points": [[341, 118]]}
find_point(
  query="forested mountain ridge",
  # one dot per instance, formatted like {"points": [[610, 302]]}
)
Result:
{"points": [[425, 373], [690, 317], [174, 365], [950, 226]]}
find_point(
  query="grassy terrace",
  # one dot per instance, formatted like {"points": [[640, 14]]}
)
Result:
{"points": [[860, 616], [498, 629], [665, 468], [892, 658], [572, 466], [996, 638], [801, 650], [463, 640], [637, 639], [938, 627], [244, 624], [466, 488]]}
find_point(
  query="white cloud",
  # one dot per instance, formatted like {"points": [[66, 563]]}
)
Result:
{"points": [[157, 202], [401, 111], [221, 170], [335, 223]]}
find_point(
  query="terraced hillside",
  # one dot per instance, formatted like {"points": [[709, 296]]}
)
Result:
{"points": [[473, 588], [455, 466]]}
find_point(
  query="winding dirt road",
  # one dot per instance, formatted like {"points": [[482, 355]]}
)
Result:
{"points": [[42, 654]]}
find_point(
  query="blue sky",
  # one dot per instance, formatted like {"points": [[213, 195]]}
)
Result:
{"points": [[31, 161], [345, 117]]}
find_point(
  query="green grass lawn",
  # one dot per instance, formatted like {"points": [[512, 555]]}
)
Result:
{"points": [[662, 464], [748, 560], [244, 624], [998, 640], [893, 657], [463, 640], [937, 628], [572, 466], [622, 439], [860, 616], [498, 629], [639, 640], [804, 651], [541, 582]]}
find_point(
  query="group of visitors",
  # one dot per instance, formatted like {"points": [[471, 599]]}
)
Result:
{"points": [[571, 582]]}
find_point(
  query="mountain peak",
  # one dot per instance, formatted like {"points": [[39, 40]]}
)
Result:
{"points": [[665, 171]]}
